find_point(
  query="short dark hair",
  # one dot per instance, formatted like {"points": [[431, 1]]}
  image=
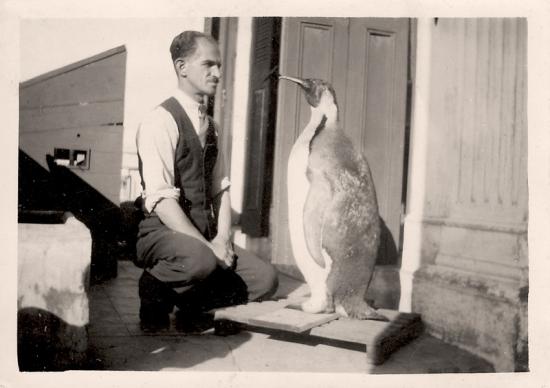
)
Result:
{"points": [[185, 43]]}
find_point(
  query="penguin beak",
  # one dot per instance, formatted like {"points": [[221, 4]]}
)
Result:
{"points": [[293, 79]]}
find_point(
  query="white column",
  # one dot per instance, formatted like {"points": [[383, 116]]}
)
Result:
{"points": [[417, 167], [240, 118]]}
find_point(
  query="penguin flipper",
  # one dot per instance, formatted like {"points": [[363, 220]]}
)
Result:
{"points": [[318, 196]]}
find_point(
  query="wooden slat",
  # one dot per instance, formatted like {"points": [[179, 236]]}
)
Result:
{"points": [[365, 332], [350, 330], [245, 313], [73, 66], [73, 116], [98, 81], [380, 338], [97, 138], [291, 320]]}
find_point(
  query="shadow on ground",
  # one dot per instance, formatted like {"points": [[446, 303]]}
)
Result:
{"points": [[118, 343], [164, 352], [46, 342]]}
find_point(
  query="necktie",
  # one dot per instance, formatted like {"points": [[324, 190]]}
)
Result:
{"points": [[203, 123], [202, 116]]}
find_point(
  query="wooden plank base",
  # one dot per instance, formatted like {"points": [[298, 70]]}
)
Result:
{"points": [[381, 339], [291, 320]]}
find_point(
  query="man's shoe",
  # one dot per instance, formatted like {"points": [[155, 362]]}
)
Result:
{"points": [[153, 317], [157, 302], [224, 327], [193, 323]]}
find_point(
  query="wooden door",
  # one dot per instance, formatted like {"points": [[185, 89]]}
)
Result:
{"points": [[366, 61], [375, 115]]}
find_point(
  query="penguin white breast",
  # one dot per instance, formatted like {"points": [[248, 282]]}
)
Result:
{"points": [[297, 186], [298, 189]]}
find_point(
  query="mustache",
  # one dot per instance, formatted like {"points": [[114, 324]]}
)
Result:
{"points": [[213, 79]]}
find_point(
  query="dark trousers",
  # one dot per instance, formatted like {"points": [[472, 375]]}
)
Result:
{"points": [[180, 270]]}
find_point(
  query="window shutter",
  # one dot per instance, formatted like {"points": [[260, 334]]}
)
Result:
{"points": [[261, 127]]}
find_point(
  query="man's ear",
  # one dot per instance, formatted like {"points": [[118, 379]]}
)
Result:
{"points": [[180, 66]]}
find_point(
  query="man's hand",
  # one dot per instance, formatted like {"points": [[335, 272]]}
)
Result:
{"points": [[223, 249]]}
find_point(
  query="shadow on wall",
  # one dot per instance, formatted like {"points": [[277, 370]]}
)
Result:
{"points": [[113, 228], [385, 288], [387, 251]]}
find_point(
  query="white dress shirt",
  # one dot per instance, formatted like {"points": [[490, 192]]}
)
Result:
{"points": [[156, 139]]}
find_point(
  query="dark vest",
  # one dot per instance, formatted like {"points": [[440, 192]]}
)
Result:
{"points": [[193, 167]]}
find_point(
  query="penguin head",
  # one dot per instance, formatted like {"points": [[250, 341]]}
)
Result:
{"points": [[318, 92]]}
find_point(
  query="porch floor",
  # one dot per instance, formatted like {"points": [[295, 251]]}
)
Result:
{"points": [[117, 343]]}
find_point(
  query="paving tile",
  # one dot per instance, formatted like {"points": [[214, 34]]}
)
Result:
{"points": [[111, 329], [134, 329], [104, 313], [430, 355], [267, 353], [126, 272], [126, 309], [105, 319], [124, 299], [128, 285], [130, 318], [122, 292], [101, 309], [149, 353]]}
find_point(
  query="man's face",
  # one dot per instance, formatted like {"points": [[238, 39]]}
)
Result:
{"points": [[202, 69]]}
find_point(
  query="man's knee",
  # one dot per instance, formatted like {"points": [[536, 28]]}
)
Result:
{"points": [[202, 260]]}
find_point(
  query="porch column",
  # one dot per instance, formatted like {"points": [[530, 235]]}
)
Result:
{"points": [[466, 231], [412, 244], [239, 119]]}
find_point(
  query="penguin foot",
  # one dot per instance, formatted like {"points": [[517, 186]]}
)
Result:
{"points": [[367, 313], [315, 305], [373, 315]]}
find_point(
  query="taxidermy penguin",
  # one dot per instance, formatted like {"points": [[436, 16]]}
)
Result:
{"points": [[333, 213]]}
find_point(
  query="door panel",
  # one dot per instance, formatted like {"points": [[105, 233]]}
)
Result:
{"points": [[316, 48], [376, 110], [366, 61]]}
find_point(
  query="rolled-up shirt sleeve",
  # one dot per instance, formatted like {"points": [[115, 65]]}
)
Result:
{"points": [[156, 140]]}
